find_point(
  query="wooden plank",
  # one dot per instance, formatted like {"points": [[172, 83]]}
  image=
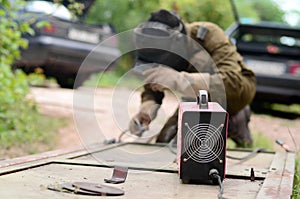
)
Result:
{"points": [[260, 162], [286, 186], [279, 178]]}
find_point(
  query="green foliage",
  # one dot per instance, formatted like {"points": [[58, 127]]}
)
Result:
{"points": [[216, 11], [112, 79], [127, 14], [296, 187], [257, 10], [42, 138], [123, 14], [259, 141], [262, 141], [17, 123], [268, 11], [293, 108], [11, 35], [13, 86], [21, 124]]}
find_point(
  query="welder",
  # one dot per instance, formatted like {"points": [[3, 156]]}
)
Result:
{"points": [[186, 69]]}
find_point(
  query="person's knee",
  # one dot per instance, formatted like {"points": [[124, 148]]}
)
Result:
{"points": [[167, 134], [238, 129]]}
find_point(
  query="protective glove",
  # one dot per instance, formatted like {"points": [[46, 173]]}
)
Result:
{"points": [[148, 112], [188, 84]]}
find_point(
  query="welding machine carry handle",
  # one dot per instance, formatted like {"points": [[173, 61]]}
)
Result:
{"points": [[202, 99]]}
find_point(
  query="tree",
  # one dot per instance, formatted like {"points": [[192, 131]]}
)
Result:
{"points": [[216, 11], [127, 14], [268, 11], [257, 10], [123, 14]]}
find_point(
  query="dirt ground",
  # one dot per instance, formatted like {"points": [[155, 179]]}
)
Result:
{"points": [[99, 114]]}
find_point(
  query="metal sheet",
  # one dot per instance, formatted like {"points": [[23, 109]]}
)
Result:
{"points": [[152, 174], [33, 183]]}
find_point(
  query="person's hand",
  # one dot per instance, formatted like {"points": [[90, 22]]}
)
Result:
{"points": [[139, 123], [188, 84], [148, 111]]}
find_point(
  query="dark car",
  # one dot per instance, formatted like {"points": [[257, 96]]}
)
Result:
{"points": [[272, 51], [60, 47]]}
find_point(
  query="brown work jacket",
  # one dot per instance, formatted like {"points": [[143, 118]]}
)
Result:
{"points": [[233, 75]]}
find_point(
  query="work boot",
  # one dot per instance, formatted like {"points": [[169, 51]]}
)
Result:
{"points": [[238, 129], [169, 131]]}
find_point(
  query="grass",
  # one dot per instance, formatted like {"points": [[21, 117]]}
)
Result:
{"points": [[113, 79], [296, 187], [40, 139], [107, 79], [259, 141], [294, 108]]}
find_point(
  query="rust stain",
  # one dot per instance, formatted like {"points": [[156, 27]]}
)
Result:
{"points": [[273, 192]]}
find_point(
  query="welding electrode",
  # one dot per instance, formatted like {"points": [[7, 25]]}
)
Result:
{"points": [[142, 128], [283, 145]]}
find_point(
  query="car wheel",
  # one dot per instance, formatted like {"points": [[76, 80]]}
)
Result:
{"points": [[71, 81], [260, 107]]}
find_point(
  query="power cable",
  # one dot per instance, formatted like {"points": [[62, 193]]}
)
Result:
{"points": [[214, 174]]}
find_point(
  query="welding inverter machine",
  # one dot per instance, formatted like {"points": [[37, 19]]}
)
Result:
{"points": [[201, 140]]}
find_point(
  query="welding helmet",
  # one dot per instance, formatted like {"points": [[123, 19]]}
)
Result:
{"points": [[162, 40]]}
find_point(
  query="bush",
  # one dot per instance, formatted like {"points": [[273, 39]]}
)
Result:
{"points": [[16, 121], [15, 106]]}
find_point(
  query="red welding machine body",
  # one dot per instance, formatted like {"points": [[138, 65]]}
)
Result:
{"points": [[202, 135]]}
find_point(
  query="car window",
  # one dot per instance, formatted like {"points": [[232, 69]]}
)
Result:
{"points": [[48, 8], [281, 40]]}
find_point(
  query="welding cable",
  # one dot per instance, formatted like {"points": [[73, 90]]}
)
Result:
{"points": [[254, 152], [171, 145], [121, 135], [118, 140], [214, 175], [220, 188], [137, 136]]}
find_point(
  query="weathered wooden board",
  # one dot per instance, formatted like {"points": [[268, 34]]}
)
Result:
{"points": [[152, 173]]}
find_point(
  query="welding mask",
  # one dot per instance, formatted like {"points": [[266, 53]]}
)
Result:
{"points": [[162, 40]]}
